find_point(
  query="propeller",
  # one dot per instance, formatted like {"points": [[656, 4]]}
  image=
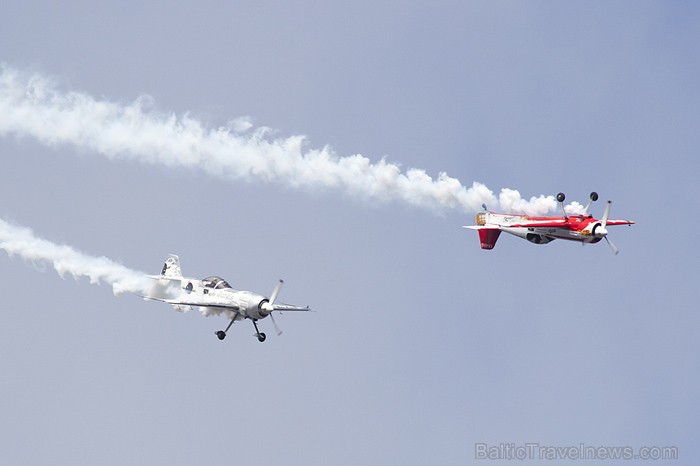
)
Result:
{"points": [[276, 291], [606, 214], [599, 229], [270, 305], [612, 246], [274, 324], [603, 232]]}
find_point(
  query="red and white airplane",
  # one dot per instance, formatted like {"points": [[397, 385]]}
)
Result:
{"points": [[542, 230]]}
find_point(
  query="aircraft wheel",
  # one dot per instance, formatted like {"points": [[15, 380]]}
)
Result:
{"points": [[594, 196], [221, 334], [261, 337], [561, 197]]}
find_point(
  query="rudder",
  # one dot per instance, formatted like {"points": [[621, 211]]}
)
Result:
{"points": [[171, 268], [488, 237]]}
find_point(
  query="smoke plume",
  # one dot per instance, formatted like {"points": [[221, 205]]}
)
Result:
{"points": [[32, 106], [21, 241]]}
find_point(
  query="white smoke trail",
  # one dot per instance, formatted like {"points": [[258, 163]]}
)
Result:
{"points": [[31, 105], [511, 201], [16, 240]]}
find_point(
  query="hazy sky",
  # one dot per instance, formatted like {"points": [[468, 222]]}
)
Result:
{"points": [[423, 345]]}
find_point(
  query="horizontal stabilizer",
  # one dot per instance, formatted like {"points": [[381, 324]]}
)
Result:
{"points": [[161, 277]]}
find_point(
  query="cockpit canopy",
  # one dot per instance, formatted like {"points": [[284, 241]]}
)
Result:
{"points": [[217, 283]]}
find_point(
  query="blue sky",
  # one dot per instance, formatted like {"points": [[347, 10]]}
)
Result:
{"points": [[423, 344]]}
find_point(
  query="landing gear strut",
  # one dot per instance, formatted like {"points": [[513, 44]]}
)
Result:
{"points": [[261, 336], [221, 334]]}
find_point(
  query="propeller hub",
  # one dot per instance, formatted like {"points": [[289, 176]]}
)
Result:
{"points": [[265, 306], [599, 230]]}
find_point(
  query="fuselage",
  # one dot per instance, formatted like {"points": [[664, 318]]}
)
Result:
{"points": [[213, 293], [542, 230]]}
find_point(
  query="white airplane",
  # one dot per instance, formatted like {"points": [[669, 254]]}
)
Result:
{"points": [[215, 296]]}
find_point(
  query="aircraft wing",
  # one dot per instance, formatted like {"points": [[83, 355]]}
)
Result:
{"points": [[222, 304], [532, 224], [538, 224], [620, 222], [198, 303], [288, 307], [560, 223]]}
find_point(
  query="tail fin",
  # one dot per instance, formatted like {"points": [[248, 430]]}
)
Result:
{"points": [[171, 268], [487, 236]]}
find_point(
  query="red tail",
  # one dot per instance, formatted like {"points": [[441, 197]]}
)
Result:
{"points": [[488, 237]]}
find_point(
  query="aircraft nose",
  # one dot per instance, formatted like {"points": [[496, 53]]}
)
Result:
{"points": [[599, 230]]}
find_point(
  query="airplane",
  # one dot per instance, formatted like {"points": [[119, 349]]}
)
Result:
{"points": [[542, 230], [215, 296]]}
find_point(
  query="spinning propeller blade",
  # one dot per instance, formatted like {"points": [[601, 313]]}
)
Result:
{"points": [[276, 291], [612, 246], [604, 231], [274, 324], [604, 220], [270, 305]]}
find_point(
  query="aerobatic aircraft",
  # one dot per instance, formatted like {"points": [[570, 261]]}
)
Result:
{"points": [[214, 295], [542, 230]]}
